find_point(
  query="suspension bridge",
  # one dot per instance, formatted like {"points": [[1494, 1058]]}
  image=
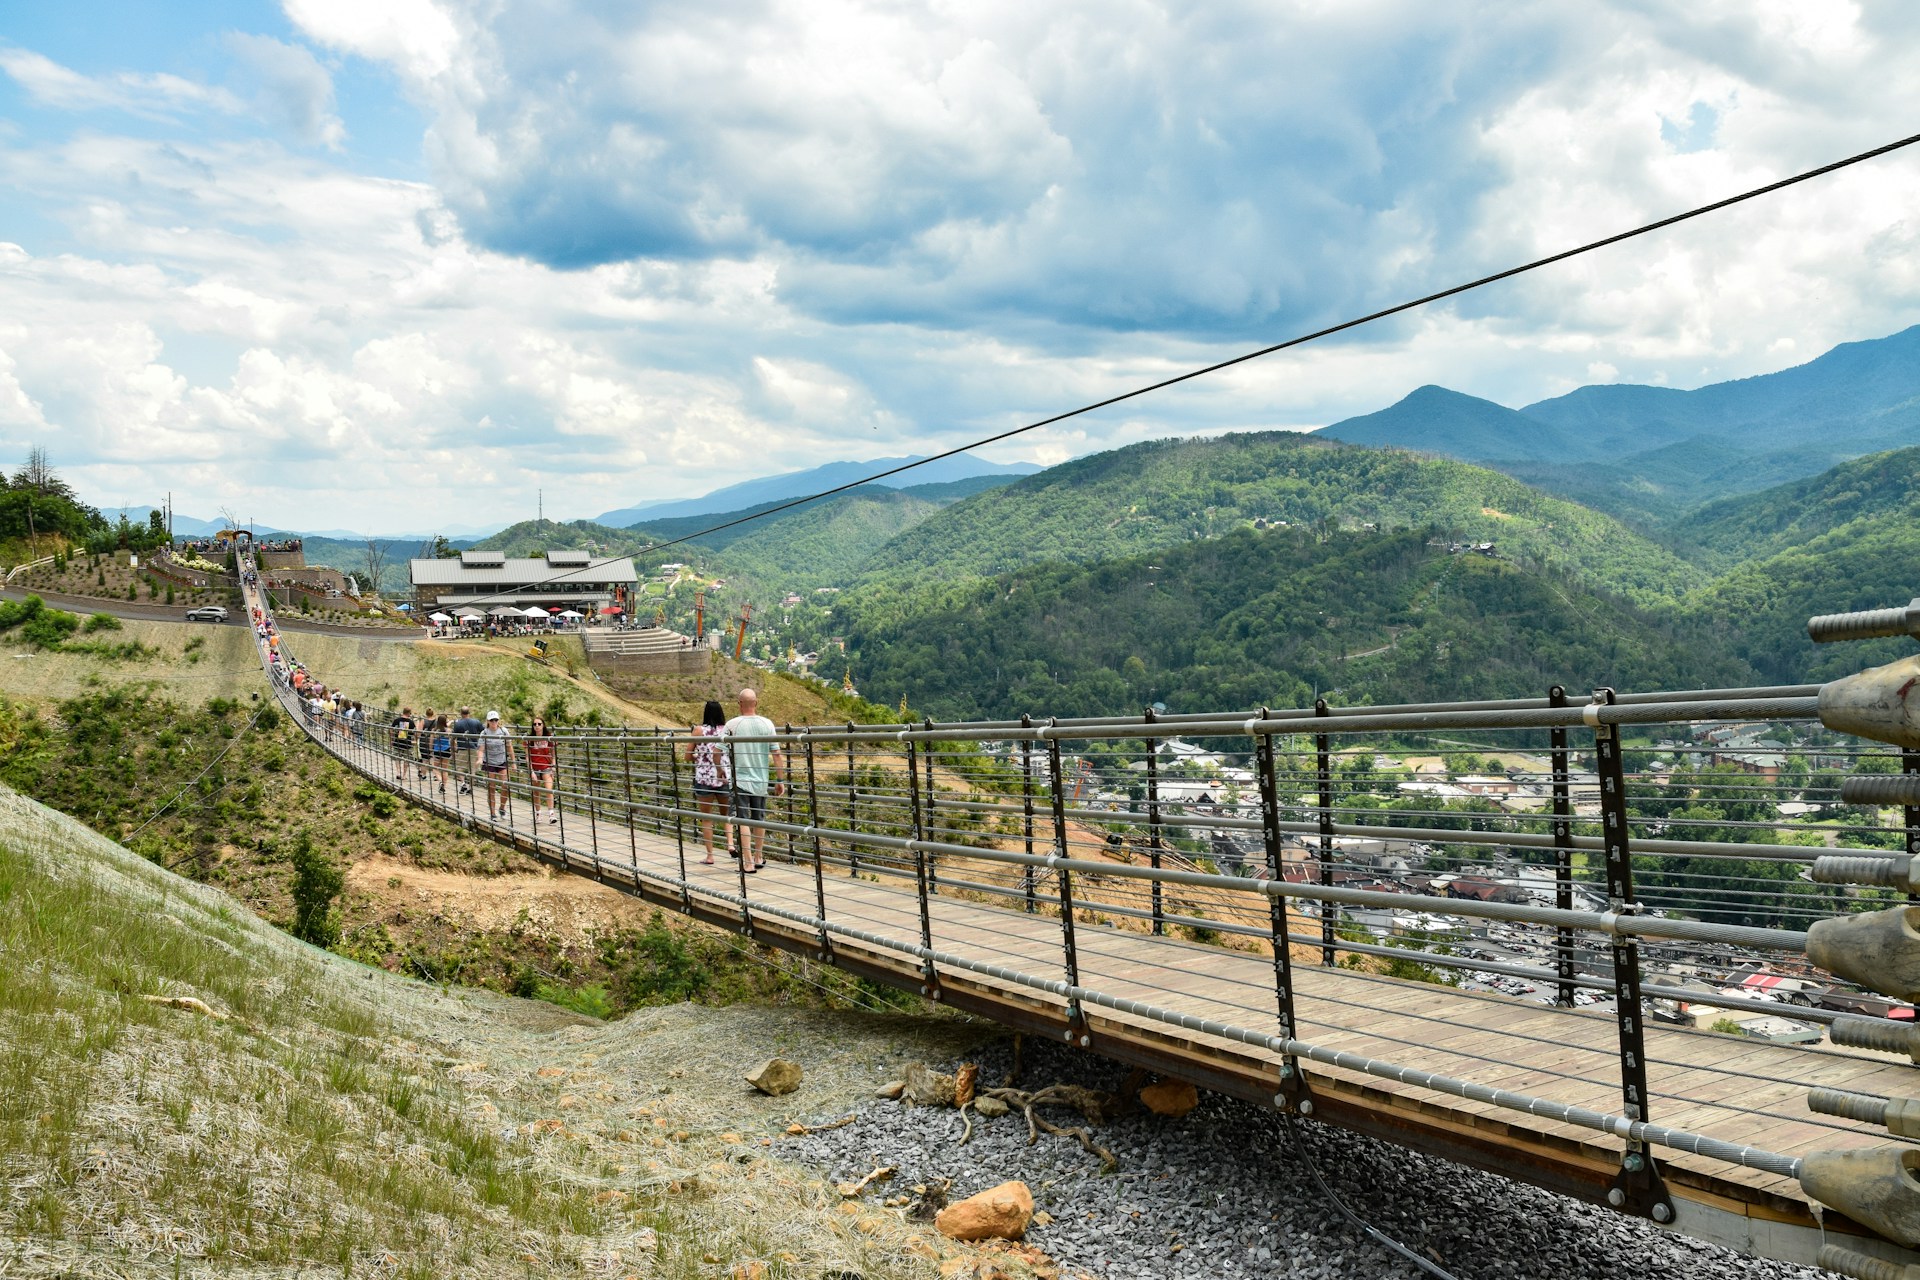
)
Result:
{"points": [[1242, 934]]}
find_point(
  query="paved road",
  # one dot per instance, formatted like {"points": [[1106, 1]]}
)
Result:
{"points": [[146, 611]]}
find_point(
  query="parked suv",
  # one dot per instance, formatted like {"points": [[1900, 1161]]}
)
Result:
{"points": [[207, 613]]}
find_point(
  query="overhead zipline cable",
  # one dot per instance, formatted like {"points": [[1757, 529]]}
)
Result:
{"points": [[1300, 340]]}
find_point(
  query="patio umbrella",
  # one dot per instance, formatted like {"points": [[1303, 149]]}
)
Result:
{"points": [[468, 611], [440, 619], [571, 613], [537, 612], [612, 608], [505, 611]]}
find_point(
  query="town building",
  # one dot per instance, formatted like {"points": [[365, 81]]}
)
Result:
{"points": [[486, 580]]}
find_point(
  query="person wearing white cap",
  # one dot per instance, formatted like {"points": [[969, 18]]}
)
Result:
{"points": [[496, 757]]}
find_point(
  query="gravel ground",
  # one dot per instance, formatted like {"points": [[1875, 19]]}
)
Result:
{"points": [[1219, 1194]]}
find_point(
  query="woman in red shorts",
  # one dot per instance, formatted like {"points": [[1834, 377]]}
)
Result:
{"points": [[541, 762]]}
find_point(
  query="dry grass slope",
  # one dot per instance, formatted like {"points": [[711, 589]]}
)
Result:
{"points": [[322, 1116]]}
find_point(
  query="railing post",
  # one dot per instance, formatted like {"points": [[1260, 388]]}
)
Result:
{"points": [[559, 794], [593, 809], [920, 860], [819, 872], [679, 822], [853, 810], [927, 826], [1638, 1184], [1562, 848], [1153, 827], [1323, 755], [626, 770], [1061, 852], [786, 770], [1290, 1083], [739, 838], [1026, 809]]}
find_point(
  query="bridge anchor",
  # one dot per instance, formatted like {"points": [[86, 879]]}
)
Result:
{"points": [[1879, 950], [1878, 1188]]}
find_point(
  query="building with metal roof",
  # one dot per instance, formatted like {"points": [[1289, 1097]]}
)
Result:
{"points": [[557, 580]]}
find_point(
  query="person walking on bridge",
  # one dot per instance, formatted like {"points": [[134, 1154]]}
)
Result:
{"points": [[402, 742], [425, 741], [466, 739], [753, 766], [442, 750], [712, 779], [496, 757], [542, 760]]}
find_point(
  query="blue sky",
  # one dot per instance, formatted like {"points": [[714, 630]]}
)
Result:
{"points": [[399, 263]]}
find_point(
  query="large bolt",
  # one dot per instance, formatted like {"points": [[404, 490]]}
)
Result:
{"points": [[1306, 1106], [1851, 1031], [1663, 1212], [1616, 1197], [1865, 624]]}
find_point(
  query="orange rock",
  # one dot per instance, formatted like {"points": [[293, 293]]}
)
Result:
{"points": [[549, 1073], [1172, 1098], [749, 1271], [1001, 1212]]}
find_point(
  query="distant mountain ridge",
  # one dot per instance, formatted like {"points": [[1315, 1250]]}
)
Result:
{"points": [[768, 490], [1651, 453]]}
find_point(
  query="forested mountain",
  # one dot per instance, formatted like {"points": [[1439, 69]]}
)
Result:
{"points": [[1262, 618], [1166, 492], [1648, 454], [1753, 526]]}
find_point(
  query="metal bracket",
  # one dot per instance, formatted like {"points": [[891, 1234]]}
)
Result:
{"points": [[1077, 1030], [1292, 1094], [1639, 1189]]}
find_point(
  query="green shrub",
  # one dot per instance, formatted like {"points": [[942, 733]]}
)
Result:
{"points": [[102, 622], [317, 881]]}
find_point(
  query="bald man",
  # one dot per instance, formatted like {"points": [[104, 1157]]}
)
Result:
{"points": [[753, 767]]}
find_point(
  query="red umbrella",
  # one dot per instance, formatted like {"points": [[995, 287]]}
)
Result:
{"points": [[612, 608]]}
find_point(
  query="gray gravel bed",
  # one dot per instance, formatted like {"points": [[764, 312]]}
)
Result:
{"points": [[1220, 1193]]}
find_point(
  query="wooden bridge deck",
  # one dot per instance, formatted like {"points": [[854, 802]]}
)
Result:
{"points": [[1737, 1089]]}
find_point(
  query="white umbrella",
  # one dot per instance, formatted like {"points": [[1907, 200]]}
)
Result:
{"points": [[468, 611], [440, 618], [505, 611], [571, 613], [537, 612]]}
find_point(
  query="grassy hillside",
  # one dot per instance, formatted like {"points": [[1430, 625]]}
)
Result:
{"points": [[1257, 618], [295, 1113], [1165, 493]]}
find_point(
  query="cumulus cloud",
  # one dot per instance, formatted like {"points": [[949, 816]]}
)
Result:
{"points": [[657, 249], [296, 92]]}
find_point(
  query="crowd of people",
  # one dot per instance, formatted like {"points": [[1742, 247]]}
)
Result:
{"points": [[734, 760]]}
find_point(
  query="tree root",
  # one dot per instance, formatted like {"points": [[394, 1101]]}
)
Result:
{"points": [[1092, 1105], [966, 1137]]}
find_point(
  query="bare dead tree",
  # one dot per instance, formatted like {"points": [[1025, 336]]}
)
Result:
{"points": [[375, 562]]}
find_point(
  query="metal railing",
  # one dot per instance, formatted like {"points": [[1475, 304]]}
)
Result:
{"points": [[1623, 857]]}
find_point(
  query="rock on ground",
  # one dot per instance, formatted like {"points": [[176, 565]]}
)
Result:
{"points": [[775, 1077], [998, 1213], [1224, 1193]]}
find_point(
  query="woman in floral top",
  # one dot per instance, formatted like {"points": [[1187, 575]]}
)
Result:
{"points": [[711, 780]]}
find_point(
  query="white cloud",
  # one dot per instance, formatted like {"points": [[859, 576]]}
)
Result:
{"points": [[62, 87], [669, 247], [295, 90]]}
